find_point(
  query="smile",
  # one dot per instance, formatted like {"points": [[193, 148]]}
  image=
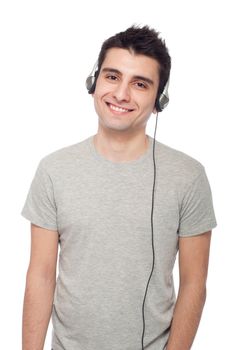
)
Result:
{"points": [[118, 109]]}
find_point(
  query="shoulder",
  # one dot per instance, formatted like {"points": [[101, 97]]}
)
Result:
{"points": [[176, 165], [65, 157]]}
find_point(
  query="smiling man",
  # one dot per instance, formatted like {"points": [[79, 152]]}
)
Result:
{"points": [[120, 205]]}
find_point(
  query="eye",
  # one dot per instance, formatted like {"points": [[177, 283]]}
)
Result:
{"points": [[111, 77], [140, 85]]}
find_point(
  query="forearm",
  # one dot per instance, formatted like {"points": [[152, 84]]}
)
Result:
{"points": [[186, 317], [37, 308]]}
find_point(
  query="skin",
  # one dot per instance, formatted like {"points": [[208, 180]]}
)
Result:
{"points": [[40, 287], [120, 137], [193, 268]]}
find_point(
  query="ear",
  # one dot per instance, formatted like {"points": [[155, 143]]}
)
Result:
{"points": [[154, 111]]}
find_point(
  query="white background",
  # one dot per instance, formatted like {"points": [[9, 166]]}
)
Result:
{"points": [[47, 50]]}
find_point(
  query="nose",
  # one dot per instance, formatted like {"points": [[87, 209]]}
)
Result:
{"points": [[121, 92]]}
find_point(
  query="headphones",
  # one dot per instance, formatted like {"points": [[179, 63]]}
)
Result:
{"points": [[162, 99]]}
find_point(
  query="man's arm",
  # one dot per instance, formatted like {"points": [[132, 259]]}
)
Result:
{"points": [[40, 286], [193, 268]]}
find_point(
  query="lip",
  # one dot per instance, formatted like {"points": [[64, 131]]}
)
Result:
{"points": [[128, 110]]}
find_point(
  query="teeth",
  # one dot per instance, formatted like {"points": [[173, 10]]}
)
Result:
{"points": [[118, 109]]}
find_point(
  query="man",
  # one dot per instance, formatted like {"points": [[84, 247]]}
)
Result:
{"points": [[94, 200]]}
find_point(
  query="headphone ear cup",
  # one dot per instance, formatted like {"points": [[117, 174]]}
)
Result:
{"points": [[163, 101], [90, 81], [157, 105]]}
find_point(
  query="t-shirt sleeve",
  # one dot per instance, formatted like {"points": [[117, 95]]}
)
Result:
{"points": [[196, 211], [40, 207]]}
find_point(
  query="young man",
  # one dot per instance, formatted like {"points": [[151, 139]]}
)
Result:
{"points": [[94, 200]]}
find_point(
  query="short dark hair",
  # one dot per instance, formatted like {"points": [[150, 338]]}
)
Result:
{"points": [[143, 41]]}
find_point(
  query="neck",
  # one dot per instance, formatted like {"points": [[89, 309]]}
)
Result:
{"points": [[121, 147]]}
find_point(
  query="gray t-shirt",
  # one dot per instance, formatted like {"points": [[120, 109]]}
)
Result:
{"points": [[102, 212]]}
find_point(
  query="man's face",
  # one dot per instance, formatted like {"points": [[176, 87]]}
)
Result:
{"points": [[126, 89]]}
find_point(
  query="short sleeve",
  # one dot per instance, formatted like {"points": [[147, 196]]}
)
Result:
{"points": [[40, 206], [196, 211]]}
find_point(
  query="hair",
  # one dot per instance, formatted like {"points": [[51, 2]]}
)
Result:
{"points": [[141, 41]]}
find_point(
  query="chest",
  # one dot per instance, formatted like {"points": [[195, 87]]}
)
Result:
{"points": [[97, 206]]}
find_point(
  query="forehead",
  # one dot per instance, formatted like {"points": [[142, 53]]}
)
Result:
{"points": [[130, 63]]}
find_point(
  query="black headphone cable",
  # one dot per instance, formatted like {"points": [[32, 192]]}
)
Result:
{"points": [[152, 236]]}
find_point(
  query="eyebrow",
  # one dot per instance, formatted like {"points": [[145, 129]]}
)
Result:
{"points": [[139, 77]]}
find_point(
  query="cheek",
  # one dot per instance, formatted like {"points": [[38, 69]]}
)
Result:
{"points": [[152, 102], [101, 88], [97, 95], [147, 103], [99, 103]]}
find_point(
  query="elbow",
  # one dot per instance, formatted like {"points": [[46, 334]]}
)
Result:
{"points": [[205, 293], [195, 288], [35, 277]]}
